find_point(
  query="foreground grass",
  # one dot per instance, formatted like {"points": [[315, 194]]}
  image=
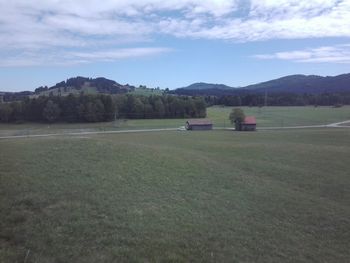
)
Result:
{"points": [[179, 196], [45, 128]]}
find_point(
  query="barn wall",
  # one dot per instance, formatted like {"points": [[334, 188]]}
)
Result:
{"points": [[201, 127], [248, 127]]}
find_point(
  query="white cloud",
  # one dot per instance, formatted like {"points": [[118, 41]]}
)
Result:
{"points": [[291, 8], [326, 54], [26, 59], [47, 26], [119, 53], [278, 19]]}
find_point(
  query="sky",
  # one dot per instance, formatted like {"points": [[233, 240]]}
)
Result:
{"points": [[172, 43]]}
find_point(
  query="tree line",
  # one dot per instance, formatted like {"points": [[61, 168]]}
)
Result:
{"points": [[280, 99], [99, 108]]}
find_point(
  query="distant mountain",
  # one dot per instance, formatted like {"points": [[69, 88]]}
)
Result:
{"points": [[77, 85], [290, 84], [297, 84], [202, 85], [305, 84], [204, 89], [14, 96]]}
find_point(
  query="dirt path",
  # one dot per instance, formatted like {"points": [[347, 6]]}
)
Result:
{"points": [[331, 125], [294, 127], [339, 124], [84, 133]]}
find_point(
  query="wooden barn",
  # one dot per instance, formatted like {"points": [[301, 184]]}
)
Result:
{"points": [[249, 124], [199, 125]]}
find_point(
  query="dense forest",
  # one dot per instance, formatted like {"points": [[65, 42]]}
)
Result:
{"points": [[280, 99], [98, 108], [102, 85]]}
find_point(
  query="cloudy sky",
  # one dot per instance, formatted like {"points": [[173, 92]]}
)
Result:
{"points": [[171, 43]]}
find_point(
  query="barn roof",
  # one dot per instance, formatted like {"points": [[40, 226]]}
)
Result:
{"points": [[200, 122], [249, 120]]}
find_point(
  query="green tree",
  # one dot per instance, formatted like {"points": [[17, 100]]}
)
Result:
{"points": [[137, 110], [109, 108], [237, 117], [201, 108], [17, 111], [94, 110], [5, 112], [120, 102], [51, 112], [69, 105], [148, 111], [90, 112], [80, 109], [159, 108]]}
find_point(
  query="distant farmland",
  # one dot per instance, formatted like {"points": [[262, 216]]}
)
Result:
{"points": [[285, 116], [272, 196], [266, 117]]}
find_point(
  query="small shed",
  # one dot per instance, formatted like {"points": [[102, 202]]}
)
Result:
{"points": [[249, 124], [199, 125]]}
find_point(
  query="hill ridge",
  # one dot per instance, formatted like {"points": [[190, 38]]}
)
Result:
{"points": [[297, 83]]}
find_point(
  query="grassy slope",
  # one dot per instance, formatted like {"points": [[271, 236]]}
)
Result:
{"points": [[147, 92], [270, 116], [220, 196]]}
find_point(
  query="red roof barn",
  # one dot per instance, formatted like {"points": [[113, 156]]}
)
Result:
{"points": [[199, 124], [249, 124]]}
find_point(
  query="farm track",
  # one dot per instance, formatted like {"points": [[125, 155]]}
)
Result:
{"points": [[84, 133], [343, 124], [331, 125]]}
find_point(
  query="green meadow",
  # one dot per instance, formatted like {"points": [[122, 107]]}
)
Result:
{"points": [[284, 116], [266, 117], [217, 196]]}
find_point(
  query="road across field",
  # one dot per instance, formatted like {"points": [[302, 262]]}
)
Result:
{"points": [[339, 124], [331, 125], [84, 133]]}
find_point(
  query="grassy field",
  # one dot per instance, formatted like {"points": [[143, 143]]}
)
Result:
{"points": [[219, 196], [284, 116], [266, 117], [42, 128]]}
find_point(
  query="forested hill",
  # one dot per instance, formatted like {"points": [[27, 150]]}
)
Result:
{"points": [[76, 85], [297, 84], [202, 85], [305, 84], [294, 84], [89, 85]]}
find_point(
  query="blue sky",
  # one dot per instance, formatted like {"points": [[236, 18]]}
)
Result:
{"points": [[171, 44]]}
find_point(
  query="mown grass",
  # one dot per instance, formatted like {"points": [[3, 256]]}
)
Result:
{"points": [[218, 196]]}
